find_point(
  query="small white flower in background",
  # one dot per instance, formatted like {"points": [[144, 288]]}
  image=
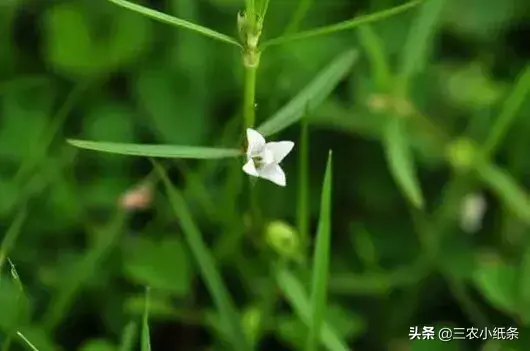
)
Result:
{"points": [[137, 198], [472, 212], [263, 158]]}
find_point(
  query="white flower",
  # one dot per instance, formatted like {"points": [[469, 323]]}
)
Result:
{"points": [[263, 158], [472, 212]]}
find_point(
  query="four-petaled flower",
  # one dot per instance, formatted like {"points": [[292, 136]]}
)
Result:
{"points": [[263, 158]]}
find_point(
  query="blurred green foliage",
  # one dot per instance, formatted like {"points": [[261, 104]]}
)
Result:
{"points": [[420, 107]]}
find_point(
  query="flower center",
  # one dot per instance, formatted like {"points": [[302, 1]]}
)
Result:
{"points": [[259, 161]]}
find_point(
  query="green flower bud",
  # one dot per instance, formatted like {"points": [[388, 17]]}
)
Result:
{"points": [[251, 321], [283, 239], [462, 154]]}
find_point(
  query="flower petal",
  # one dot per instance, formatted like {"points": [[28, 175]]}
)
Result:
{"points": [[250, 169], [280, 149], [256, 142], [274, 173]]}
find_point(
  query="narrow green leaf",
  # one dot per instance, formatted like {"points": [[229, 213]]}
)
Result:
{"points": [[206, 263], [297, 298], [507, 189], [27, 342], [321, 263], [312, 95], [376, 55], [20, 304], [416, 48], [11, 236], [349, 24], [514, 101], [177, 22], [302, 206], [401, 161], [128, 336], [146, 339], [150, 150]]}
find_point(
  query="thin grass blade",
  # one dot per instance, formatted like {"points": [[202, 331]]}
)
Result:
{"points": [[206, 263], [312, 95], [27, 342], [507, 189], [174, 21], [146, 339], [376, 55], [11, 236], [401, 161], [293, 291], [342, 25], [416, 48], [508, 113], [128, 336], [321, 263], [150, 150]]}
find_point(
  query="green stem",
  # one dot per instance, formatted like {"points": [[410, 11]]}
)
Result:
{"points": [[249, 111], [303, 188]]}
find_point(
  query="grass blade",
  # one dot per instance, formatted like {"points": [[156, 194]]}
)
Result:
{"points": [[507, 189], [401, 161], [128, 336], [206, 263], [294, 292], [28, 343], [415, 51], [312, 95], [146, 342], [177, 22], [509, 112], [340, 26], [15, 277], [321, 263], [377, 57], [151, 150], [11, 236]]}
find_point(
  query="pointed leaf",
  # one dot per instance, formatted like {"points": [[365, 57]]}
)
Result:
{"points": [[150, 150], [416, 48], [27, 342], [375, 51], [401, 161], [177, 22], [311, 96], [146, 339], [507, 189], [321, 263]]}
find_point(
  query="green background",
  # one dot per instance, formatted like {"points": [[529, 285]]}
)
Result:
{"points": [[89, 69]]}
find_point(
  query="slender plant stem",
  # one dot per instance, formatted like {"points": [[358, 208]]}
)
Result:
{"points": [[303, 188], [249, 110]]}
